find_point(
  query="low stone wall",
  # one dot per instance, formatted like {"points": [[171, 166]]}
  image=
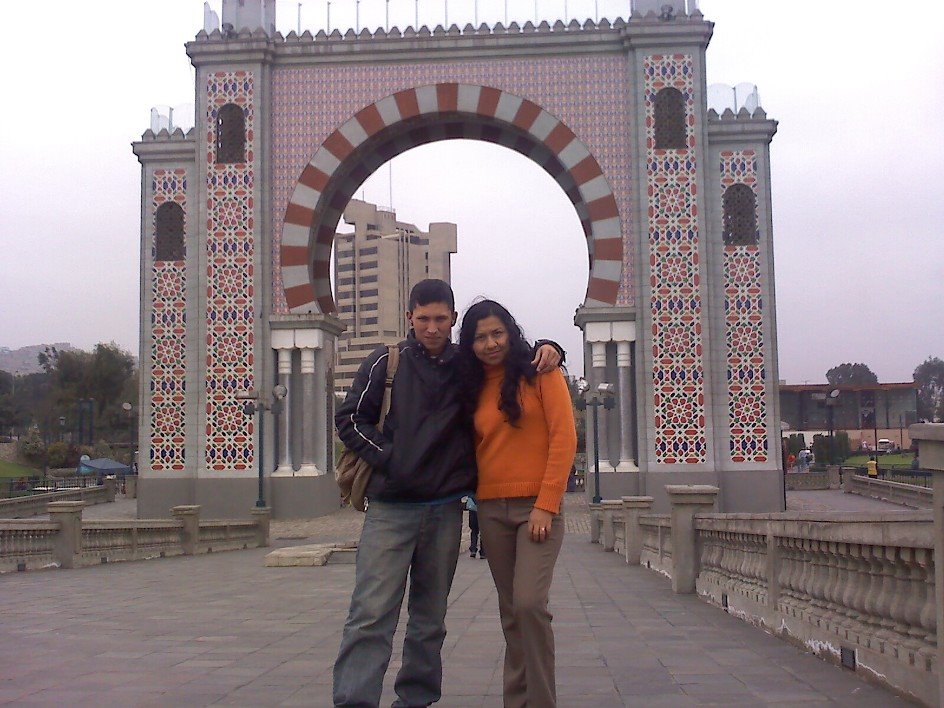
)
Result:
{"points": [[36, 504], [66, 541], [856, 589], [818, 478], [905, 494]]}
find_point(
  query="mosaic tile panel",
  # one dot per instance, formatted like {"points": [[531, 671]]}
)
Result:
{"points": [[744, 328], [588, 93], [230, 287], [678, 372], [168, 358]]}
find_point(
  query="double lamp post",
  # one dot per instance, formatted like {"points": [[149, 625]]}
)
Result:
{"points": [[604, 396], [254, 402]]}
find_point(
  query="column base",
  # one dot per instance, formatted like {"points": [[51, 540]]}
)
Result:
{"points": [[309, 470], [284, 471], [626, 466]]}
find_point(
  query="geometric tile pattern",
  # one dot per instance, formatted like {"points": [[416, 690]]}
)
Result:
{"points": [[587, 93], [375, 134], [744, 328], [230, 287], [168, 380], [678, 373]]}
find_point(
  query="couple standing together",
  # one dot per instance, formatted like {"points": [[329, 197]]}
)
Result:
{"points": [[490, 417]]}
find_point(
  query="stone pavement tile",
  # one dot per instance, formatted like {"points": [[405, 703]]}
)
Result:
{"points": [[623, 637]]}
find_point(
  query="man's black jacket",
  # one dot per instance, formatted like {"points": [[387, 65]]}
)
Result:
{"points": [[425, 451]]}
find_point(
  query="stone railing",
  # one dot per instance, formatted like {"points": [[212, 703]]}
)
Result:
{"points": [[817, 478], [895, 492], [857, 589], [36, 504], [66, 541]]}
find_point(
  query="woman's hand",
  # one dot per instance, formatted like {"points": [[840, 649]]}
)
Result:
{"points": [[539, 525]]}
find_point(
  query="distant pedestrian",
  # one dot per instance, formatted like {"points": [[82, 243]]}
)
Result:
{"points": [[475, 544]]}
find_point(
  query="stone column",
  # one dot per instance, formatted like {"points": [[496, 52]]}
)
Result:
{"points": [[687, 500], [596, 521], [598, 376], [930, 438], [285, 417], [611, 509], [262, 518], [633, 509], [189, 517], [311, 413], [67, 547], [627, 461]]}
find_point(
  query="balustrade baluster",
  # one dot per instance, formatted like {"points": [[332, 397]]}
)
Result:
{"points": [[886, 557]]}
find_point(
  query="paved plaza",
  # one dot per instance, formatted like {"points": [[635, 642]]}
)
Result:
{"points": [[223, 629]]}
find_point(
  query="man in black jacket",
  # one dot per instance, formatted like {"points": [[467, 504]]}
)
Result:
{"points": [[424, 463]]}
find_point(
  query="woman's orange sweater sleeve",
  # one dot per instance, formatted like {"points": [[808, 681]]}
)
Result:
{"points": [[533, 458]]}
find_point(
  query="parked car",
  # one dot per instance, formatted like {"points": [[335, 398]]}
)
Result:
{"points": [[887, 446]]}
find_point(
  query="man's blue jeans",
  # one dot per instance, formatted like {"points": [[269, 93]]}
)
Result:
{"points": [[421, 540]]}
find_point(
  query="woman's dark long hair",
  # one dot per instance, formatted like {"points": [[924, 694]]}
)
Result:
{"points": [[517, 362]]}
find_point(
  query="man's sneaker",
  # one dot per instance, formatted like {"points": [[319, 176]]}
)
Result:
{"points": [[471, 554], [482, 556]]}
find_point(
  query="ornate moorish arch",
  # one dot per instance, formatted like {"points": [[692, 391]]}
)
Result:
{"points": [[417, 116]]}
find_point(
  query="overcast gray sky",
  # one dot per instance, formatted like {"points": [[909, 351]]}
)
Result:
{"points": [[857, 198]]}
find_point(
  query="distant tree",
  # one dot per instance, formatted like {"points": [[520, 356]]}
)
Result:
{"points": [[929, 376], [855, 374], [795, 443]]}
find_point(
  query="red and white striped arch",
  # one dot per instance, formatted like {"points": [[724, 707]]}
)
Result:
{"points": [[427, 114]]}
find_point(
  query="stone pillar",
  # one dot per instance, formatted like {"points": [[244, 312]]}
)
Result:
{"points": [[596, 522], [633, 509], [627, 461], [111, 488], [67, 547], [930, 439], [262, 517], [311, 413], [189, 518], [598, 376], [687, 500], [285, 417], [611, 509]]}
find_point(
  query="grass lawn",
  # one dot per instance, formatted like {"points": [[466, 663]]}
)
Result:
{"points": [[8, 469], [897, 460]]}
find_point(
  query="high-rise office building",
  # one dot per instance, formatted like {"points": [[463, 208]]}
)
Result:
{"points": [[375, 267]]}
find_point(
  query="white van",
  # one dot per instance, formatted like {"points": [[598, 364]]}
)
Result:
{"points": [[886, 445]]}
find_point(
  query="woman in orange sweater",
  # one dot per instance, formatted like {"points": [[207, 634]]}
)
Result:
{"points": [[525, 442]]}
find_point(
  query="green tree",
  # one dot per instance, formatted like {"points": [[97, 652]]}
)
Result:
{"points": [[105, 375], [929, 376], [855, 374]]}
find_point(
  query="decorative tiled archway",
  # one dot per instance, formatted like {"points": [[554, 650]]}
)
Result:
{"points": [[426, 114]]}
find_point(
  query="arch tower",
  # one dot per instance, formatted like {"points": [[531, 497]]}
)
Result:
{"points": [[673, 199]]}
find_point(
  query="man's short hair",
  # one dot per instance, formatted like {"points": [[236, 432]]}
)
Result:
{"points": [[432, 290]]}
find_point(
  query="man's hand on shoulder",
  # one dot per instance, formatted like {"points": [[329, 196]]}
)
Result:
{"points": [[547, 358]]}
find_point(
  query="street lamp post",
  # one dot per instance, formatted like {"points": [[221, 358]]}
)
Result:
{"points": [[603, 397], [132, 437], [255, 403]]}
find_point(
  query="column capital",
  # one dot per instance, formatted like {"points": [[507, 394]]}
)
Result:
{"points": [[308, 360], [66, 507], [691, 494], [636, 502]]}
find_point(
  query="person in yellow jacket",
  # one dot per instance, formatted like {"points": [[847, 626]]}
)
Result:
{"points": [[525, 440]]}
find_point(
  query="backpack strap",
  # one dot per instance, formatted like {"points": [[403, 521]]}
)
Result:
{"points": [[393, 360]]}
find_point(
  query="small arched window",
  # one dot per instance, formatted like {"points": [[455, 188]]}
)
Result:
{"points": [[670, 120], [739, 221], [169, 232], [230, 134]]}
